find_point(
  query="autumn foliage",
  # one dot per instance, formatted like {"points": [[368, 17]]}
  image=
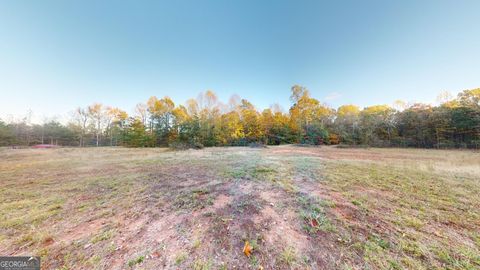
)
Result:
{"points": [[205, 121]]}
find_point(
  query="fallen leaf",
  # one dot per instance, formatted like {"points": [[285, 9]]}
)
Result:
{"points": [[247, 249], [314, 222], [155, 254], [48, 241]]}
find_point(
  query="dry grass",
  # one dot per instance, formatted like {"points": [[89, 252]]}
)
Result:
{"points": [[301, 208]]}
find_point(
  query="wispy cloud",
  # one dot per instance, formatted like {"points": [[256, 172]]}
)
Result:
{"points": [[332, 96]]}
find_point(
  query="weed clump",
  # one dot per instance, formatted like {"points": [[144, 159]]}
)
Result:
{"points": [[257, 145], [194, 199], [313, 214], [289, 256], [136, 261], [185, 146]]}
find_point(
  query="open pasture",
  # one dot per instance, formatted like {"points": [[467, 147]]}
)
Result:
{"points": [[298, 207]]}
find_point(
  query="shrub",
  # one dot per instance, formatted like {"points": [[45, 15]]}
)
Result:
{"points": [[184, 146], [256, 145]]}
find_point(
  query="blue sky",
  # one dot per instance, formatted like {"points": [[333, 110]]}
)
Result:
{"points": [[58, 55]]}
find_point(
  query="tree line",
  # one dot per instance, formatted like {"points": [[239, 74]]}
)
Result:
{"points": [[205, 121]]}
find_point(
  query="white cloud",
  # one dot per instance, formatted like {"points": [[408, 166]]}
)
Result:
{"points": [[332, 96]]}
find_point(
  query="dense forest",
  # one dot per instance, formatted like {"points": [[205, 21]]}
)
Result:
{"points": [[205, 121]]}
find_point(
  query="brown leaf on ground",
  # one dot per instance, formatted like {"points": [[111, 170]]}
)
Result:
{"points": [[314, 222], [247, 249], [155, 254]]}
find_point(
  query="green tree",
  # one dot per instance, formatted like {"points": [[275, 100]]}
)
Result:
{"points": [[346, 124], [306, 113], [137, 136], [377, 125], [7, 136]]}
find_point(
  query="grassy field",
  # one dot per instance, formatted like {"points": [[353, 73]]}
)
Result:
{"points": [[298, 207]]}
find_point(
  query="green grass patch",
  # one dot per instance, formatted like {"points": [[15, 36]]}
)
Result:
{"points": [[138, 260], [313, 213]]}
